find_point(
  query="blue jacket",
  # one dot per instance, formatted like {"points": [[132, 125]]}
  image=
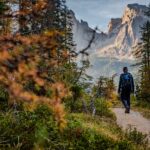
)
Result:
{"points": [[120, 87]]}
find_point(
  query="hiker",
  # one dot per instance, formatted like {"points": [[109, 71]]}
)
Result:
{"points": [[126, 87]]}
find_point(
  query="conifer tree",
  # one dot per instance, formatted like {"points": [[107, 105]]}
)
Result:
{"points": [[34, 60], [143, 54]]}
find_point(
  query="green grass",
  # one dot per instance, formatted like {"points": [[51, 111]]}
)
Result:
{"points": [[143, 109], [31, 130], [141, 106], [100, 124], [107, 127]]}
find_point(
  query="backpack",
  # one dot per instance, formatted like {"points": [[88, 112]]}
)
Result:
{"points": [[126, 82]]}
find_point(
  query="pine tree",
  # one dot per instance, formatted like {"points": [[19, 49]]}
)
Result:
{"points": [[143, 54], [34, 61], [105, 88], [4, 21]]}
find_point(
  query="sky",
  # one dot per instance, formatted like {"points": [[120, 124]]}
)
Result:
{"points": [[99, 12]]}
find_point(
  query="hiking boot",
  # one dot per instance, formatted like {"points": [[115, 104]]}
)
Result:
{"points": [[127, 110]]}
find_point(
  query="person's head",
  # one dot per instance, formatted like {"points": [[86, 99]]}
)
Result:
{"points": [[125, 69]]}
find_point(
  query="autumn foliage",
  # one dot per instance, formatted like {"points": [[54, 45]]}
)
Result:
{"points": [[31, 60]]}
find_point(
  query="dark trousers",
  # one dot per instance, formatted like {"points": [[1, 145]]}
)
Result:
{"points": [[125, 98]]}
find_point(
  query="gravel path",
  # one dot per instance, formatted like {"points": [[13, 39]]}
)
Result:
{"points": [[134, 119]]}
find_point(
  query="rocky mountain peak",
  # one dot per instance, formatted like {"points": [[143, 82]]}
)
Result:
{"points": [[84, 23], [123, 34], [114, 49], [133, 10], [114, 22]]}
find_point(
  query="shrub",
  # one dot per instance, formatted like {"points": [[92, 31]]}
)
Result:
{"points": [[102, 108], [3, 94], [39, 130], [78, 101], [21, 128], [136, 137], [3, 98], [85, 138]]}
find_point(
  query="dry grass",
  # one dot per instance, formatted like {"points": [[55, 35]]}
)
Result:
{"points": [[104, 126]]}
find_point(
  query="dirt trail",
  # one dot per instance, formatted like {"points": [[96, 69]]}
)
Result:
{"points": [[134, 119]]}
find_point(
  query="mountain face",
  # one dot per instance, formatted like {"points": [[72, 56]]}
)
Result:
{"points": [[111, 51], [113, 24], [123, 34], [82, 34]]}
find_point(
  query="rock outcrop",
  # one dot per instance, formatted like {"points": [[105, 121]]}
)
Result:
{"points": [[123, 34]]}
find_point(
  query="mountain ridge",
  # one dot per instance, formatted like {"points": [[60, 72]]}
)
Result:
{"points": [[123, 34]]}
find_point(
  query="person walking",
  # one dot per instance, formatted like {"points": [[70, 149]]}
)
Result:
{"points": [[125, 88]]}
